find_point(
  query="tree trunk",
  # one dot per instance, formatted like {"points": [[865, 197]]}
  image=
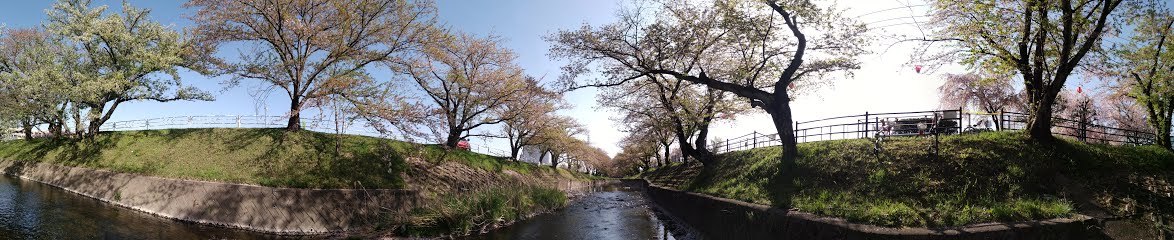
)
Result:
{"points": [[667, 153], [554, 159], [1162, 137], [95, 123], [1039, 128], [998, 124], [295, 115], [452, 139], [687, 150], [647, 164], [780, 115], [27, 128], [98, 118], [59, 118], [54, 129], [701, 143], [78, 129], [514, 152]]}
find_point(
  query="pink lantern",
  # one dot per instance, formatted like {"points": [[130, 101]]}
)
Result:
{"points": [[917, 68]]}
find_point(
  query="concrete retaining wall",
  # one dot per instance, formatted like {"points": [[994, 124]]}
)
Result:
{"points": [[720, 218], [265, 209]]}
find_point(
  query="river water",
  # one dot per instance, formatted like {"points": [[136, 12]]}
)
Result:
{"points": [[609, 211], [32, 210]]}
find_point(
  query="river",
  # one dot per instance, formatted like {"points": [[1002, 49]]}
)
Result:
{"points": [[32, 210], [609, 211]]}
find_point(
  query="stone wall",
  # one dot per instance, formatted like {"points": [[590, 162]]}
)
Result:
{"points": [[264, 209], [720, 218]]}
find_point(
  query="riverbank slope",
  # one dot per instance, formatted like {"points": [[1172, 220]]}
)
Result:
{"points": [[426, 178], [976, 178]]}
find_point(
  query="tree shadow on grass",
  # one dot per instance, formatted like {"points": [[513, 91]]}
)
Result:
{"points": [[307, 159], [1133, 185], [68, 151]]}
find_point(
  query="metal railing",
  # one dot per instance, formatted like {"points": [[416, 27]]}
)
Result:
{"points": [[745, 142], [864, 125], [952, 121], [1082, 130], [213, 121]]}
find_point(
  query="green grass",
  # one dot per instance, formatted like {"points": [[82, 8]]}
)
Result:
{"points": [[268, 157], [460, 214], [987, 177]]}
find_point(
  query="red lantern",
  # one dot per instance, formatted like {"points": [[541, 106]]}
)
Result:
{"points": [[463, 145], [1078, 90], [917, 68]]}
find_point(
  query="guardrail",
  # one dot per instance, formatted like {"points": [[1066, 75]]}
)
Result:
{"points": [[951, 121], [1082, 130], [864, 125]]}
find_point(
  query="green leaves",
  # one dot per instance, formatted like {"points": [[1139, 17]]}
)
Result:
{"points": [[126, 56], [85, 60], [1141, 66]]}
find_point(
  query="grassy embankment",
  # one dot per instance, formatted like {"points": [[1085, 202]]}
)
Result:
{"points": [[987, 177], [463, 190]]}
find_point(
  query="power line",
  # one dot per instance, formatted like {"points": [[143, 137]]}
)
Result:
{"points": [[890, 9], [896, 18], [915, 22], [898, 24]]}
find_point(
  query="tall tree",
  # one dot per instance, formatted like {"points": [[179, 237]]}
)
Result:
{"points": [[684, 108], [312, 49], [558, 141], [125, 57], [469, 79], [625, 163], [30, 79], [535, 113], [991, 94], [1143, 67], [732, 46], [1043, 41], [653, 122], [1123, 112], [644, 148]]}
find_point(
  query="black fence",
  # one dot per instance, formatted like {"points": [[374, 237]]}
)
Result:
{"points": [[1082, 130], [924, 123]]}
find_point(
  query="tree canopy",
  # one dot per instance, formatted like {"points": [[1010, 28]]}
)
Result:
{"points": [[312, 49], [1044, 42], [467, 79], [89, 61], [1142, 66]]}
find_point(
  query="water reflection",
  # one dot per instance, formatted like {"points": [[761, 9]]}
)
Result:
{"points": [[611, 211], [31, 210]]}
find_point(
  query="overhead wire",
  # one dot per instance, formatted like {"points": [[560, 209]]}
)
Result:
{"points": [[889, 9]]}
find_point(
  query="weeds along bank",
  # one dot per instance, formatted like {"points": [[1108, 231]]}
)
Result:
{"points": [[429, 181], [977, 178]]}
